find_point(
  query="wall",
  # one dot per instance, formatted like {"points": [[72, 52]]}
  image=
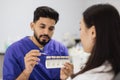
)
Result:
{"points": [[115, 3]]}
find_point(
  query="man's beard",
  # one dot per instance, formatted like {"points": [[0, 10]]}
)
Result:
{"points": [[43, 43]]}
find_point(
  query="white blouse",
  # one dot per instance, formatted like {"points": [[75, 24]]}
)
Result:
{"points": [[103, 72]]}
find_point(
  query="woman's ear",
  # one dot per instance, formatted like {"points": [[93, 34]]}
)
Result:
{"points": [[93, 32]]}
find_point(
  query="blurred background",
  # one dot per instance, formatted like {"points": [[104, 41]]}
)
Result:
{"points": [[16, 15]]}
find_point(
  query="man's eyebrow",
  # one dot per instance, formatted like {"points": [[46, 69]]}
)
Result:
{"points": [[42, 24], [52, 26]]}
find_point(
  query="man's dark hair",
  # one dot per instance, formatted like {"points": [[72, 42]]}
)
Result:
{"points": [[47, 12]]}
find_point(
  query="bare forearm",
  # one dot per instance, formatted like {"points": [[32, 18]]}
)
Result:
{"points": [[23, 76]]}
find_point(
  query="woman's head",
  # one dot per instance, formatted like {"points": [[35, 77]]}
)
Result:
{"points": [[100, 35], [87, 36]]}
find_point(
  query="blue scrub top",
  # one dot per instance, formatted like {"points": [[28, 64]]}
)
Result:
{"points": [[14, 60]]}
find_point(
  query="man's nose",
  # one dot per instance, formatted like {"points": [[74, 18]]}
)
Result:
{"points": [[46, 31]]}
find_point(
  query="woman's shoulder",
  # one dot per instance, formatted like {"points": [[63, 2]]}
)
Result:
{"points": [[95, 76], [103, 72]]}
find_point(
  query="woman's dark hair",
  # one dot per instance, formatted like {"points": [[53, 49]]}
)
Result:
{"points": [[106, 20], [47, 12]]}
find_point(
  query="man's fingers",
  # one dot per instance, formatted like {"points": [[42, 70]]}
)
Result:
{"points": [[33, 59], [68, 68], [33, 53]]}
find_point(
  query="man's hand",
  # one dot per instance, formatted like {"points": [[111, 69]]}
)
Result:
{"points": [[31, 59], [66, 71]]}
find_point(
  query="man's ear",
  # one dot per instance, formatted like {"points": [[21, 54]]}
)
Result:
{"points": [[93, 32], [32, 25]]}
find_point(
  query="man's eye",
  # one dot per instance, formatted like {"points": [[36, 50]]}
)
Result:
{"points": [[42, 26], [51, 29]]}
